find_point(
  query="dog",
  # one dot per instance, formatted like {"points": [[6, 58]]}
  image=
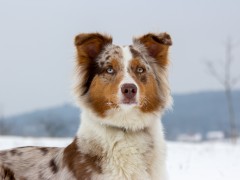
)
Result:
{"points": [[122, 92]]}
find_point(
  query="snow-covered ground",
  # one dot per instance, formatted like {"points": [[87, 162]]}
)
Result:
{"points": [[204, 161], [186, 161]]}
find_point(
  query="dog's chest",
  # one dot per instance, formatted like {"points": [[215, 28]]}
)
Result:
{"points": [[129, 156]]}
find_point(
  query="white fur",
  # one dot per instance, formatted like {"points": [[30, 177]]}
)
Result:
{"points": [[127, 57], [127, 154]]}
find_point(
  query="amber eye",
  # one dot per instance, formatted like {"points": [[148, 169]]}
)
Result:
{"points": [[110, 70], [140, 70]]}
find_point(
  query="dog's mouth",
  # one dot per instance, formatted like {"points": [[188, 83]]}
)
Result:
{"points": [[127, 101]]}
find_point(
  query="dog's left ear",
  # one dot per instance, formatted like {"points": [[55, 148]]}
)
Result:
{"points": [[157, 46]]}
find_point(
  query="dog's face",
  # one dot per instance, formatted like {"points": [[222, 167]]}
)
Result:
{"points": [[116, 79]]}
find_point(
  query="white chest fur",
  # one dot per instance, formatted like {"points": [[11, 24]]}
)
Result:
{"points": [[130, 156], [127, 155]]}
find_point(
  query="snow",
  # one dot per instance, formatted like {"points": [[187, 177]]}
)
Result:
{"points": [[208, 161], [186, 161], [7, 142]]}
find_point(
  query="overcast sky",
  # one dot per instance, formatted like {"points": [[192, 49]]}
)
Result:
{"points": [[37, 52]]}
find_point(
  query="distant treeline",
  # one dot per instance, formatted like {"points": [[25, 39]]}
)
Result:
{"points": [[192, 113]]}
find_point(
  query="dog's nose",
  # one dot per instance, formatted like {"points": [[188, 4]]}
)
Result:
{"points": [[129, 90]]}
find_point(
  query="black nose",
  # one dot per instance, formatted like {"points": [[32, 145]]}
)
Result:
{"points": [[129, 90]]}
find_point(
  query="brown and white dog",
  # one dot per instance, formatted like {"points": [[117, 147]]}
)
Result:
{"points": [[122, 91]]}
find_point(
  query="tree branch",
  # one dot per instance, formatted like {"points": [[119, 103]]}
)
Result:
{"points": [[214, 73]]}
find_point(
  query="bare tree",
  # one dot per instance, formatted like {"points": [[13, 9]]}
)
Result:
{"points": [[228, 82]]}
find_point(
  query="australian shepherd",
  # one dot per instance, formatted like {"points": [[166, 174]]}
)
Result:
{"points": [[122, 92]]}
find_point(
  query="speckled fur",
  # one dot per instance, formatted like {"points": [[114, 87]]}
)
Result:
{"points": [[109, 53], [27, 163]]}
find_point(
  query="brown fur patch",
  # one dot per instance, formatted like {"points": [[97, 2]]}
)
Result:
{"points": [[53, 166], [157, 46], [149, 97], [104, 88], [81, 165], [102, 93], [6, 173], [89, 46]]}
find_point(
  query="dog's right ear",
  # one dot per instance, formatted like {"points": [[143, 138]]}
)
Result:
{"points": [[90, 45]]}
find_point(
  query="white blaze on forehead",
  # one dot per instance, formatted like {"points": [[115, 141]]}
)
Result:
{"points": [[127, 78], [127, 57]]}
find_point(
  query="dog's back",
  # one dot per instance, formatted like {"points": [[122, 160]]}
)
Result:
{"points": [[30, 163]]}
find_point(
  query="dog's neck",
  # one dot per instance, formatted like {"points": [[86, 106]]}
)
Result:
{"points": [[92, 131], [90, 121]]}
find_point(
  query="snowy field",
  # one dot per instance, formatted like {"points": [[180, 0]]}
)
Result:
{"points": [[186, 161]]}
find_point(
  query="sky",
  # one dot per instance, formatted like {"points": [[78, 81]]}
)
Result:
{"points": [[37, 52]]}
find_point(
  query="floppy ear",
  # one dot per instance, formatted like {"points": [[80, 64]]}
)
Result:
{"points": [[157, 46], [90, 45]]}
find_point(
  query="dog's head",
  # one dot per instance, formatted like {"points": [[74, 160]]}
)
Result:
{"points": [[120, 81]]}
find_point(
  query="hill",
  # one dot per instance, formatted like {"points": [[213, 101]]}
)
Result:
{"points": [[192, 113], [200, 113], [61, 121]]}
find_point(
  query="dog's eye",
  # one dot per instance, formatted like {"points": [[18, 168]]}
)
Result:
{"points": [[110, 70], [140, 70]]}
